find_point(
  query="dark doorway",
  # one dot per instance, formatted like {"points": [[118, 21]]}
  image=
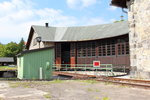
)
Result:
{"points": [[65, 53]]}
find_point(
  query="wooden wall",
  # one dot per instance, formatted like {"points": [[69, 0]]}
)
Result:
{"points": [[108, 51]]}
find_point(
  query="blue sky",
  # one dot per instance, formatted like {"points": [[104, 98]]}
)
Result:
{"points": [[17, 16]]}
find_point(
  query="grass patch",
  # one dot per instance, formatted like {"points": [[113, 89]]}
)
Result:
{"points": [[56, 81], [92, 90], [123, 86], [105, 98], [89, 81], [108, 83], [47, 95], [30, 84], [12, 78], [20, 84], [4, 68], [96, 98]]}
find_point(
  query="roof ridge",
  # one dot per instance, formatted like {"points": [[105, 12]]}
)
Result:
{"points": [[78, 26]]}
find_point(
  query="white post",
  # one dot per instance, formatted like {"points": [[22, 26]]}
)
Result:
{"points": [[41, 73]]}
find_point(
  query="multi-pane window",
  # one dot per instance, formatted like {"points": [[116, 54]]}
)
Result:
{"points": [[93, 45], [86, 49], [103, 49], [106, 48], [72, 50], [83, 49], [58, 50], [89, 49], [79, 47], [123, 46], [113, 48], [127, 47]]}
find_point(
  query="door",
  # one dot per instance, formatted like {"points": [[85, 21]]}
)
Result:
{"points": [[65, 53]]}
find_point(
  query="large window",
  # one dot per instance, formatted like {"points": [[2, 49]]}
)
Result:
{"points": [[123, 46], [58, 49], [93, 45], [106, 47], [72, 51], [86, 49]]}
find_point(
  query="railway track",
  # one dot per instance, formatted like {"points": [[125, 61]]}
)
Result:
{"points": [[128, 82]]}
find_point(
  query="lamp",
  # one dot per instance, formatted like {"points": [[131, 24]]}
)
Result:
{"points": [[39, 39]]}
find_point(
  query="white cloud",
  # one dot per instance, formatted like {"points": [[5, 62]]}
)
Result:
{"points": [[95, 21], [76, 4], [17, 16], [112, 20], [112, 8]]}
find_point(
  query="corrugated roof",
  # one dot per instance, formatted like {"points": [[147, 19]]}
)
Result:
{"points": [[81, 33], [34, 50], [6, 59]]}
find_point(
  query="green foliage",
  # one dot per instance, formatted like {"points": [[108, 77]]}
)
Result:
{"points": [[11, 49], [5, 68], [21, 45], [2, 50], [119, 21]]}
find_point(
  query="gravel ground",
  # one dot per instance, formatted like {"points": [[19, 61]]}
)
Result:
{"points": [[69, 90]]}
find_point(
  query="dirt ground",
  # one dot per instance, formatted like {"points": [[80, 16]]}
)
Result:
{"points": [[69, 90]]}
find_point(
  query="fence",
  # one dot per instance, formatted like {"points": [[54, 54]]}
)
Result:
{"points": [[103, 70]]}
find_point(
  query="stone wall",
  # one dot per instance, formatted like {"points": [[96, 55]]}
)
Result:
{"points": [[139, 37]]}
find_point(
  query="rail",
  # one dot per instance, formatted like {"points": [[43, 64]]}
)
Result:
{"points": [[66, 67], [103, 70], [106, 69]]}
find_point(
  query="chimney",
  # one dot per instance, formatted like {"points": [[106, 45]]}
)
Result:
{"points": [[46, 24]]}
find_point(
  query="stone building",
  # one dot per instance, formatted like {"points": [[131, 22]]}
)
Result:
{"points": [[139, 36]]}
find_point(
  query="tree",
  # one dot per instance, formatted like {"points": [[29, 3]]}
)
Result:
{"points": [[11, 49], [21, 45], [2, 50]]}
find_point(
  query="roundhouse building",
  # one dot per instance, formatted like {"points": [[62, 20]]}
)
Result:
{"points": [[108, 43]]}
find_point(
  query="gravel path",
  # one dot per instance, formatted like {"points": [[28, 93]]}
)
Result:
{"points": [[69, 90]]}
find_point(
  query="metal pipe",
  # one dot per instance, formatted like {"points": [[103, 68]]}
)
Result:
{"points": [[41, 73]]}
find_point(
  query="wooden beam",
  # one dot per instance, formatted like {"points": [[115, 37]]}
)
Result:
{"points": [[119, 3]]}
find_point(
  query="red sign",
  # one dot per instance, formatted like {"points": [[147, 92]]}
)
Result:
{"points": [[96, 63]]}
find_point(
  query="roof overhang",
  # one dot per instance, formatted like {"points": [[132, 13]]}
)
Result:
{"points": [[34, 50], [29, 38], [119, 3]]}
